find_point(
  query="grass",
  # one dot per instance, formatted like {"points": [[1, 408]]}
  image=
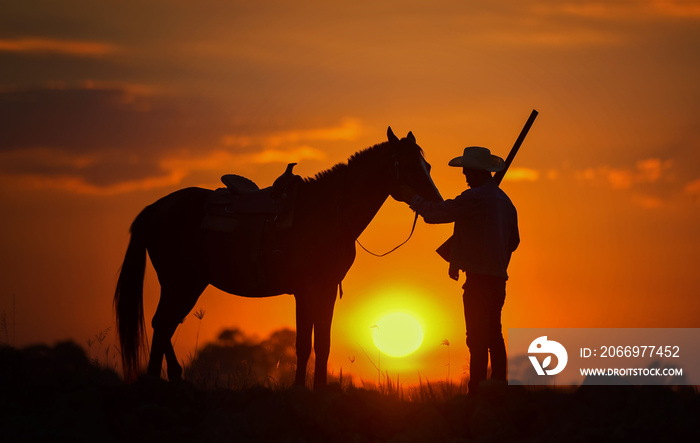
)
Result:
{"points": [[67, 392], [241, 374], [59, 392], [76, 393], [102, 354]]}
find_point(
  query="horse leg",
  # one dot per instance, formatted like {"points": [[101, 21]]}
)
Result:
{"points": [[174, 368], [159, 344], [303, 339], [322, 336], [174, 305]]}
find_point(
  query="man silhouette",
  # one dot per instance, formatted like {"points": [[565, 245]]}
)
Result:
{"points": [[485, 235]]}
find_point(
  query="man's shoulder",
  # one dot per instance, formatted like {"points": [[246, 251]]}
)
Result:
{"points": [[487, 190]]}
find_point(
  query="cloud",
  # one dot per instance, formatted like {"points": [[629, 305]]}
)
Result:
{"points": [[45, 168], [43, 160], [50, 169], [349, 129], [677, 8], [516, 174], [645, 171], [184, 165], [571, 24], [624, 10], [102, 116], [90, 119], [647, 201], [110, 141], [293, 156], [547, 36], [693, 189], [579, 24], [79, 185], [76, 48], [650, 183]]}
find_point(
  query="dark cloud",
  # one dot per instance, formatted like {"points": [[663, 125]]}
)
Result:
{"points": [[82, 120], [116, 139], [104, 136], [600, 72]]}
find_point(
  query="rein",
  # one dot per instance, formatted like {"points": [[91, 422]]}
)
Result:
{"points": [[413, 228], [397, 168]]}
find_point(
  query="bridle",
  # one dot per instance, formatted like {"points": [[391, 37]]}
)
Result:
{"points": [[397, 169]]}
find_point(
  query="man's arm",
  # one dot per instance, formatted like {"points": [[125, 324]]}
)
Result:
{"points": [[446, 211], [515, 236]]}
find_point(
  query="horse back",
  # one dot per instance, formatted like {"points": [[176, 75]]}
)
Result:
{"points": [[254, 260], [171, 229]]}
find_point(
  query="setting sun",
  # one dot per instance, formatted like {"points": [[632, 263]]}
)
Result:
{"points": [[397, 334]]}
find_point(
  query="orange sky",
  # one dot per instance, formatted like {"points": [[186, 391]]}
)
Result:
{"points": [[104, 109]]}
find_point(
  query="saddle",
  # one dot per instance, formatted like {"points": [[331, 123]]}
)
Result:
{"points": [[242, 199]]}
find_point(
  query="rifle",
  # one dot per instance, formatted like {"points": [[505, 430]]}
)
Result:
{"points": [[444, 249]]}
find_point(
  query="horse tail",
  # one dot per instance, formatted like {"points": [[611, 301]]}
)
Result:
{"points": [[128, 300]]}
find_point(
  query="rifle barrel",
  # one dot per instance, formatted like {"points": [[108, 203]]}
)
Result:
{"points": [[514, 150]]}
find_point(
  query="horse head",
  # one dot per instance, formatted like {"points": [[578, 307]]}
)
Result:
{"points": [[410, 167]]}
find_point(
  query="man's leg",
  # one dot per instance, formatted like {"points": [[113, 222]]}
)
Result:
{"points": [[496, 295], [476, 323]]}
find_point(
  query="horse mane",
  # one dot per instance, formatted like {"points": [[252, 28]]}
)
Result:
{"points": [[328, 174], [358, 159]]}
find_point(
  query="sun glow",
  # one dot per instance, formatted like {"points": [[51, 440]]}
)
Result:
{"points": [[397, 334]]}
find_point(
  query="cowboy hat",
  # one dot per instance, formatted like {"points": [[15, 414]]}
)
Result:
{"points": [[476, 157]]}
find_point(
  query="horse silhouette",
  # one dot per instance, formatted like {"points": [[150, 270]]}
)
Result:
{"points": [[312, 256]]}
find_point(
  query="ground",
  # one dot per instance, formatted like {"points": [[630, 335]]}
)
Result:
{"points": [[57, 394]]}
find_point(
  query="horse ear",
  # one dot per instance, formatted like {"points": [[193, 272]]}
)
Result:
{"points": [[391, 136], [411, 137]]}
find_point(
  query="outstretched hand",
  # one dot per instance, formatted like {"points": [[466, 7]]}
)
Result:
{"points": [[404, 194]]}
